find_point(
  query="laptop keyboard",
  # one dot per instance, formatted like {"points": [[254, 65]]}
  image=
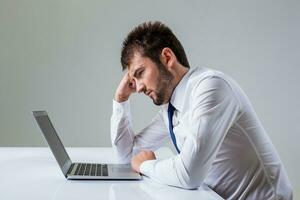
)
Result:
{"points": [[84, 169]]}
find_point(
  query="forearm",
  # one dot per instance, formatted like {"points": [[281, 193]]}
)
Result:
{"points": [[171, 172], [122, 136]]}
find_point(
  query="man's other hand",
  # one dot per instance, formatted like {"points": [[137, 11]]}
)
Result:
{"points": [[138, 159]]}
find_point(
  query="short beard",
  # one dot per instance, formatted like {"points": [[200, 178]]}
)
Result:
{"points": [[164, 85]]}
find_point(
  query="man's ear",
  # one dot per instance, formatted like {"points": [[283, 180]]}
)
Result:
{"points": [[168, 57]]}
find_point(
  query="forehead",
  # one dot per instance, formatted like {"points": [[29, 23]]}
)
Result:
{"points": [[138, 62]]}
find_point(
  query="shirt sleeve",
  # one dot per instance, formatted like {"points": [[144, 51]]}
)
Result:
{"points": [[124, 141], [213, 109]]}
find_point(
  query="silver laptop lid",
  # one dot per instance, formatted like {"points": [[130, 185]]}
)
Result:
{"points": [[53, 140]]}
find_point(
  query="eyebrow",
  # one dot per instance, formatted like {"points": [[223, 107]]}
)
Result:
{"points": [[137, 70]]}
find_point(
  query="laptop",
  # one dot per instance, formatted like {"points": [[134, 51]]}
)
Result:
{"points": [[98, 171]]}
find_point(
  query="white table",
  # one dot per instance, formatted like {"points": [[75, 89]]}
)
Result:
{"points": [[33, 173]]}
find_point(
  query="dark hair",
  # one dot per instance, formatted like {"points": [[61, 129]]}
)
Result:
{"points": [[149, 38]]}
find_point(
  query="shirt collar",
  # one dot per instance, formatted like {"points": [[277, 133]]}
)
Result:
{"points": [[179, 91]]}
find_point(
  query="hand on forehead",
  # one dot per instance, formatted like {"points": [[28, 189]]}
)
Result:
{"points": [[131, 81]]}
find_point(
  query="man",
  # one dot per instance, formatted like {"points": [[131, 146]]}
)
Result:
{"points": [[219, 139]]}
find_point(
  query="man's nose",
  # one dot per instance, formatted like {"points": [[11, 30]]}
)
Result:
{"points": [[140, 87]]}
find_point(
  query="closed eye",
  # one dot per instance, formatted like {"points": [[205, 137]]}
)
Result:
{"points": [[139, 74]]}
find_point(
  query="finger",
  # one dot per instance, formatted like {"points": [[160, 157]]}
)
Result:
{"points": [[132, 84]]}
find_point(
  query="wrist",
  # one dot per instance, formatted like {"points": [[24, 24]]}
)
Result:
{"points": [[120, 98]]}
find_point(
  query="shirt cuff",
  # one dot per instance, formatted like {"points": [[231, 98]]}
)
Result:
{"points": [[122, 108], [147, 166]]}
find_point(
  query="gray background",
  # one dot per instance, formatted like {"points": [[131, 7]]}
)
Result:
{"points": [[63, 56]]}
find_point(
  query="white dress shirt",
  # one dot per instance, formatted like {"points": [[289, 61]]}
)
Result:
{"points": [[221, 140]]}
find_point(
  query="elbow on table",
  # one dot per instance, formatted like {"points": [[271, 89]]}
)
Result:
{"points": [[192, 183], [123, 158]]}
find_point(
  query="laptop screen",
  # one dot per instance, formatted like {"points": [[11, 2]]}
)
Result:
{"points": [[53, 140]]}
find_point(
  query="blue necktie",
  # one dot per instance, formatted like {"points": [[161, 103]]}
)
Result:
{"points": [[170, 116]]}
